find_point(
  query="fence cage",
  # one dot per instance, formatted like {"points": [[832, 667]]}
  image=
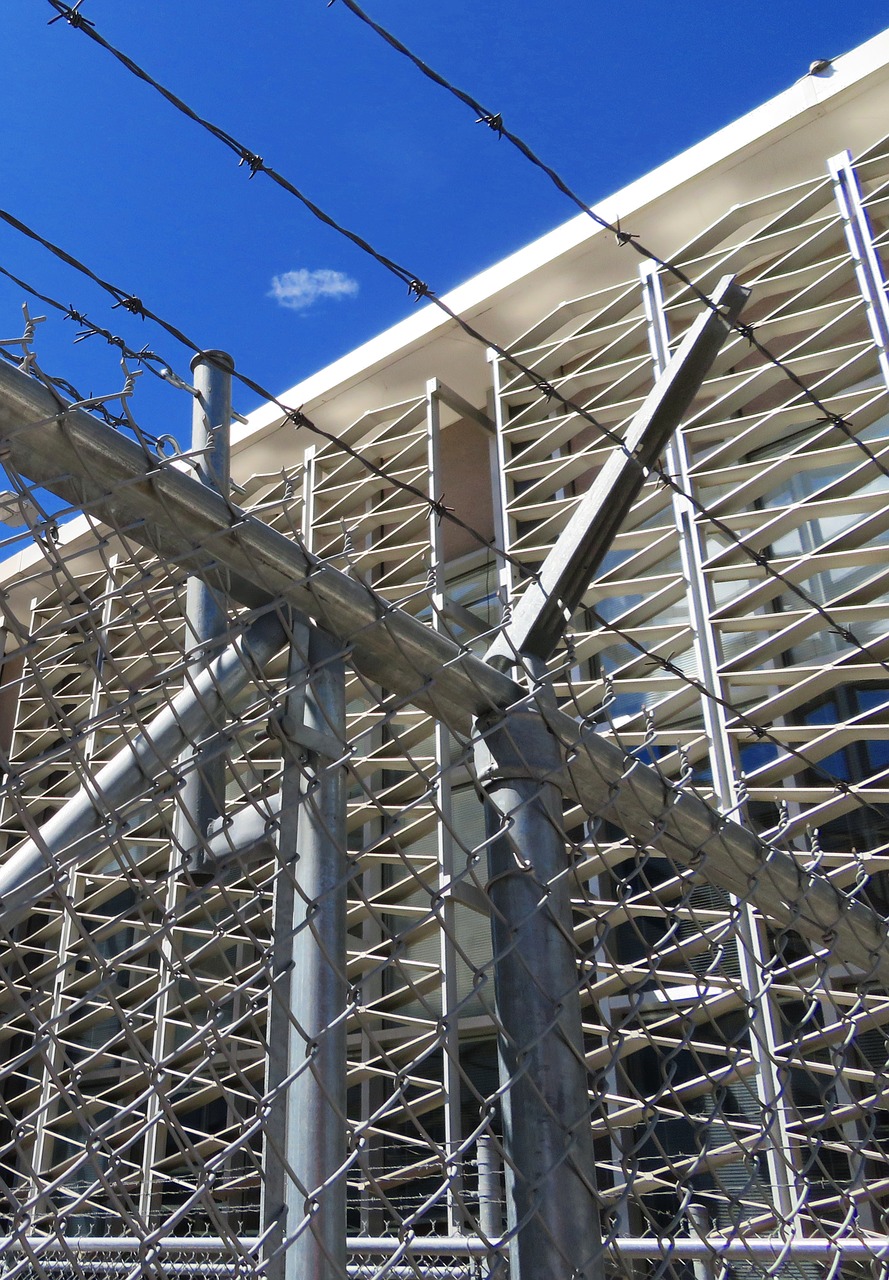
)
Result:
{"points": [[339, 940]]}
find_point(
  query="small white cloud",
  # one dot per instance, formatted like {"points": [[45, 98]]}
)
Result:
{"points": [[300, 289]]}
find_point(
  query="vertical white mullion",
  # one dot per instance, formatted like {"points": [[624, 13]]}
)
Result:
{"points": [[855, 1134], [869, 273], [451, 1078], [310, 463], [787, 1186], [500, 486]]}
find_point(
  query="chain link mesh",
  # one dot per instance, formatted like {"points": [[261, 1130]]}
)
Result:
{"points": [[636, 908]]}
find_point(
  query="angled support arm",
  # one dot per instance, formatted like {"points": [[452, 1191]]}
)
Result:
{"points": [[542, 612]]}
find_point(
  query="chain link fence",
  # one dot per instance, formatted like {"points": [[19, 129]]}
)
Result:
{"points": [[331, 948]]}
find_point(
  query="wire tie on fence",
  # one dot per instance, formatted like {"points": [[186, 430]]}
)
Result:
{"points": [[686, 770], [783, 823], [28, 335], [179, 383], [608, 693]]}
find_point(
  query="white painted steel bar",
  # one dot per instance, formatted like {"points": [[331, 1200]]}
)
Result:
{"points": [[252, 833], [85, 461], [201, 798], [546, 605], [499, 460], [46, 1109], [787, 1187], [451, 1077], [869, 272], [71, 834]]}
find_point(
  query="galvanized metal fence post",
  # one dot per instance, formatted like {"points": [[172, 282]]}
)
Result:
{"points": [[202, 797], [551, 1213], [306, 1131]]}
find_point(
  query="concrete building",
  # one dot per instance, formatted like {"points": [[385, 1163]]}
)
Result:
{"points": [[735, 636]]}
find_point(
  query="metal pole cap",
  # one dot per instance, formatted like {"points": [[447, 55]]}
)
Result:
{"points": [[221, 359]]}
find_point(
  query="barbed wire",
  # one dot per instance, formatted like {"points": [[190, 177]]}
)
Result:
{"points": [[135, 306], [295, 416], [92, 957], [417, 287], [759, 731], [420, 289], [95, 1099]]}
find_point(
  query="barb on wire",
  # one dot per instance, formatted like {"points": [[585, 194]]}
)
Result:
{"points": [[161, 369], [300, 419]]}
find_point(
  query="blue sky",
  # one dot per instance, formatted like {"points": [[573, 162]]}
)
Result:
{"points": [[99, 163]]}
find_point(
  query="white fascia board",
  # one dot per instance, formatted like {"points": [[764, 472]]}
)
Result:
{"points": [[735, 145]]}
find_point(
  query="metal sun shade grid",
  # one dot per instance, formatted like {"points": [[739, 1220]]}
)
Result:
{"points": [[733, 1078], [777, 1111]]}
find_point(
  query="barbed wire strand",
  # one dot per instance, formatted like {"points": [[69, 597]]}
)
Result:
{"points": [[420, 289], [417, 287], [135, 306]]}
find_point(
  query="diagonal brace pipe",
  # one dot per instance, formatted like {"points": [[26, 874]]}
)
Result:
{"points": [[546, 605], [70, 834]]}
